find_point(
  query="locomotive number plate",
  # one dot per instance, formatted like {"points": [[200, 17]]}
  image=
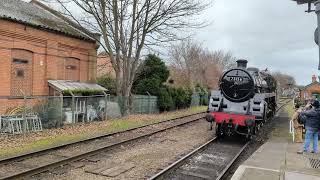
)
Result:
{"points": [[235, 78]]}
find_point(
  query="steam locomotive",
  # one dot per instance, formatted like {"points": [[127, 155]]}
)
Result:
{"points": [[245, 100]]}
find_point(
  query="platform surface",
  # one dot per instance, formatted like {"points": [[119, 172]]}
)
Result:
{"points": [[277, 159]]}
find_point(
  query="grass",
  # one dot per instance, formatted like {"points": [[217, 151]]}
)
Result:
{"points": [[63, 136], [289, 109], [281, 129]]}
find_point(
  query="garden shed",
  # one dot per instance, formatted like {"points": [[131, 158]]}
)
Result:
{"points": [[81, 102]]}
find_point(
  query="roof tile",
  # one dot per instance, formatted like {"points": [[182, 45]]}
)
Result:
{"points": [[31, 14]]}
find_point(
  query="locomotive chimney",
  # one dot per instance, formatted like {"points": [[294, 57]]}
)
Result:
{"points": [[242, 63], [314, 78]]}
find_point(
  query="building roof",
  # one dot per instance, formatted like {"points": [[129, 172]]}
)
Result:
{"points": [[66, 85], [33, 15], [309, 85]]}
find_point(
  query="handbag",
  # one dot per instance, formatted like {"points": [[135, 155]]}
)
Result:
{"points": [[302, 118]]}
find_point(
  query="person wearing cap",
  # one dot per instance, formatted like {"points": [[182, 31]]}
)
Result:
{"points": [[298, 128], [312, 124]]}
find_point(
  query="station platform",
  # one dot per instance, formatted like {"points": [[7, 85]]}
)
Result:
{"points": [[277, 159]]}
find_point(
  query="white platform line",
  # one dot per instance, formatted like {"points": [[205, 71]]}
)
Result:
{"points": [[240, 171]]}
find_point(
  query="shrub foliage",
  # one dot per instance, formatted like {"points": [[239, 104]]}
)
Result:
{"points": [[151, 79], [107, 82]]}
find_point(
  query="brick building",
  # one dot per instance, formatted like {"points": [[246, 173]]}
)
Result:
{"points": [[37, 44], [104, 66], [311, 90]]}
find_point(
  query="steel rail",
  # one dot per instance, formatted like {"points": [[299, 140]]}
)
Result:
{"points": [[4, 160], [52, 165], [232, 161], [184, 158], [178, 163], [242, 149]]}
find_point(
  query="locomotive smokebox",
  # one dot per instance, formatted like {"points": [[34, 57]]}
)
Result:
{"points": [[242, 63]]}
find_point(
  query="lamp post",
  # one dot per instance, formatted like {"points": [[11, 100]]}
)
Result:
{"points": [[317, 33], [317, 10]]}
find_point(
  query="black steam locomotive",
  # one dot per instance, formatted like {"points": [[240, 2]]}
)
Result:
{"points": [[245, 100]]}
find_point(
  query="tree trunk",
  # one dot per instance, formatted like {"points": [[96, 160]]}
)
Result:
{"points": [[126, 99], [118, 83]]}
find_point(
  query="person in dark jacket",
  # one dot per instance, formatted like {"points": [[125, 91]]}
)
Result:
{"points": [[312, 125]]}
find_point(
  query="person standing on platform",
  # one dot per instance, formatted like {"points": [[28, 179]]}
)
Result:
{"points": [[298, 128], [312, 127]]}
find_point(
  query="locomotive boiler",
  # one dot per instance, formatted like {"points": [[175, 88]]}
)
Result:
{"points": [[245, 100]]}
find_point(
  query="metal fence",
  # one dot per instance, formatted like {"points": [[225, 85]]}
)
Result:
{"points": [[144, 104], [138, 104], [25, 114]]}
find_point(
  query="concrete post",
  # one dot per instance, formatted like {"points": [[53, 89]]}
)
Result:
{"points": [[317, 4]]}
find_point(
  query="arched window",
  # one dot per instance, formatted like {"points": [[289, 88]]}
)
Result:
{"points": [[21, 72], [72, 69]]}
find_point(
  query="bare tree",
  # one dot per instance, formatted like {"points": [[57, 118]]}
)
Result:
{"points": [[198, 65], [225, 59], [284, 80], [128, 26]]}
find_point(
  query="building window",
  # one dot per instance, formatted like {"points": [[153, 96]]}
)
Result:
{"points": [[19, 61], [72, 69], [21, 72]]}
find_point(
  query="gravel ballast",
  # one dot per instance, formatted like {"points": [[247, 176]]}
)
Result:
{"points": [[144, 157], [13, 145]]}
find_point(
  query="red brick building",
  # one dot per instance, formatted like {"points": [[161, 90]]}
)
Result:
{"points": [[36, 45], [311, 90], [104, 66]]}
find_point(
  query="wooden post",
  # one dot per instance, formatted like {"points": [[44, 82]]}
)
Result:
{"points": [[72, 107]]}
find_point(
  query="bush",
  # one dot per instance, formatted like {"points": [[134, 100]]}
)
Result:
{"points": [[181, 97], [203, 93], [148, 85], [107, 82], [153, 74], [165, 101]]}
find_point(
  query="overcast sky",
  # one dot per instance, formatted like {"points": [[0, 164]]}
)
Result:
{"points": [[273, 34], [277, 34]]}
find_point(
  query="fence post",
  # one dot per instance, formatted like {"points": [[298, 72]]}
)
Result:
{"points": [[106, 102], [149, 99], [61, 109], [72, 107], [141, 101], [24, 116]]}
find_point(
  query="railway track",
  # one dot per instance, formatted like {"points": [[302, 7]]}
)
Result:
{"points": [[210, 161], [29, 164]]}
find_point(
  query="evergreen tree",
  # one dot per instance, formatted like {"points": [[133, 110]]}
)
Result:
{"points": [[153, 74]]}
